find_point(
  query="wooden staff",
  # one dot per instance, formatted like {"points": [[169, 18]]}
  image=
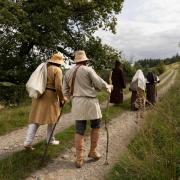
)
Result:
{"points": [[107, 132]]}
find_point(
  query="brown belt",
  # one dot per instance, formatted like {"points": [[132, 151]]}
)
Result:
{"points": [[51, 89]]}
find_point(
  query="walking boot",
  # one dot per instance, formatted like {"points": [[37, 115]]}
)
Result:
{"points": [[94, 140], [79, 142]]}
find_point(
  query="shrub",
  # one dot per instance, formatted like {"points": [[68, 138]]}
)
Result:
{"points": [[129, 71], [12, 94], [104, 74], [161, 68]]}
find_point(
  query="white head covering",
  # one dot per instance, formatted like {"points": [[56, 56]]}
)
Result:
{"points": [[139, 77]]}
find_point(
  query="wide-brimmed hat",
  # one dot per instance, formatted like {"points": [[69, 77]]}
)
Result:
{"points": [[80, 56], [57, 58]]}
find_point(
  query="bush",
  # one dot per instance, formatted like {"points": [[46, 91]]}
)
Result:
{"points": [[12, 94], [160, 69], [129, 71], [104, 74]]}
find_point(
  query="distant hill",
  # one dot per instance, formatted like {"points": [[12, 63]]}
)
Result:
{"points": [[148, 63]]}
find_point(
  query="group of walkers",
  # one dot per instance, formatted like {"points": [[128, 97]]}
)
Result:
{"points": [[143, 89], [80, 85]]}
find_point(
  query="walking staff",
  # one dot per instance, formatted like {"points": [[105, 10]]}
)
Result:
{"points": [[107, 131]]}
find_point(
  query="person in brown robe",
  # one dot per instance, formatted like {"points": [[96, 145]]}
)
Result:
{"points": [[117, 80], [151, 90], [46, 108]]}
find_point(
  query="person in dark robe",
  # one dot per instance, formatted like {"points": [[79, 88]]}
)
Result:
{"points": [[116, 78], [151, 90]]}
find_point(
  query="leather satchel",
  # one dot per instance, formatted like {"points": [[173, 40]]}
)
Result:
{"points": [[73, 81]]}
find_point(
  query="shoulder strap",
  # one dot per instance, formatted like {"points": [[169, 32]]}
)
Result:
{"points": [[73, 81]]}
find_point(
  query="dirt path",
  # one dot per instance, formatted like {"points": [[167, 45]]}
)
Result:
{"points": [[13, 141], [162, 81], [121, 129]]}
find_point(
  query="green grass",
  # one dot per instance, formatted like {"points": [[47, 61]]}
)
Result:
{"points": [[102, 96], [163, 75], [165, 82], [155, 152], [13, 118], [17, 117]]}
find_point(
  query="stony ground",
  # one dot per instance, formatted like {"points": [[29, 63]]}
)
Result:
{"points": [[121, 129], [13, 141]]}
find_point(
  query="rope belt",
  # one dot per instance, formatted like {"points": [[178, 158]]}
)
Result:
{"points": [[51, 89]]}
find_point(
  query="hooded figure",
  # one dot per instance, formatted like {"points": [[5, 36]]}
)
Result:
{"points": [[151, 91], [46, 108], [117, 80], [138, 87], [81, 83]]}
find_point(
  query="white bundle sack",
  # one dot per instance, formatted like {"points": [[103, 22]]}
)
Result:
{"points": [[36, 84]]}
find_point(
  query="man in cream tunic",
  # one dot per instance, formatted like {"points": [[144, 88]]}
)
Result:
{"points": [[85, 105]]}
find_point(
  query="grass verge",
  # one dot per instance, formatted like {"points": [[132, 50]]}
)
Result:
{"points": [[155, 152], [165, 82], [15, 118]]}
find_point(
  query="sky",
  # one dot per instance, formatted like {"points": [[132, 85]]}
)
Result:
{"points": [[146, 29]]}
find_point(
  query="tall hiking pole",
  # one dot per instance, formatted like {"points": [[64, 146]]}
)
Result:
{"points": [[47, 145], [107, 132]]}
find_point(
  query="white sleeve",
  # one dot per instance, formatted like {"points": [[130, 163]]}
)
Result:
{"points": [[97, 81], [110, 77]]}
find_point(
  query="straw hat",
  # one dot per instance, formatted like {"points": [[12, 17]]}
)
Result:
{"points": [[80, 56], [57, 58]]}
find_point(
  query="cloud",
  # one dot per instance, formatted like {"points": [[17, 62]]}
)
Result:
{"points": [[146, 29]]}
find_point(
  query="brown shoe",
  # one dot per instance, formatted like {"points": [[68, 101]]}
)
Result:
{"points": [[29, 148], [79, 163], [94, 155]]}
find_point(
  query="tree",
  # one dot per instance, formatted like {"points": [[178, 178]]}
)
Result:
{"points": [[102, 56], [31, 30]]}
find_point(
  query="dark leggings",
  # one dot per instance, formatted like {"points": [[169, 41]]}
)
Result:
{"points": [[81, 125]]}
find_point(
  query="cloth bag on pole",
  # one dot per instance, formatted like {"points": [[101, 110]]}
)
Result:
{"points": [[36, 84]]}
